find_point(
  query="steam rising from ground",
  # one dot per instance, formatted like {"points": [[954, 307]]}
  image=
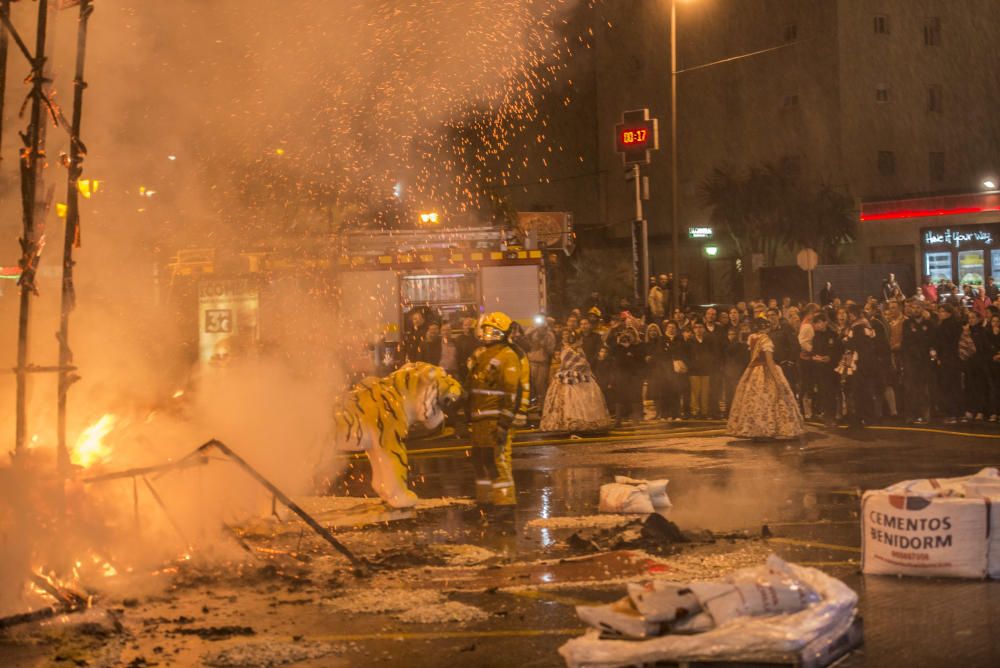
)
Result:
{"points": [[248, 121]]}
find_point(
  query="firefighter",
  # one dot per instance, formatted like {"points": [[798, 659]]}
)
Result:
{"points": [[499, 386]]}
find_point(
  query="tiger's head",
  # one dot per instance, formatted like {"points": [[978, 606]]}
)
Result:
{"points": [[430, 392]]}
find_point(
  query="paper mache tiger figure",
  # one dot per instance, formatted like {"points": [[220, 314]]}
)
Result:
{"points": [[376, 417]]}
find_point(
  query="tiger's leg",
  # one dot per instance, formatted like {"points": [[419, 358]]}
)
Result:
{"points": [[390, 470]]}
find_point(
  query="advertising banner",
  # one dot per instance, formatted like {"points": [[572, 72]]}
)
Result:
{"points": [[228, 319]]}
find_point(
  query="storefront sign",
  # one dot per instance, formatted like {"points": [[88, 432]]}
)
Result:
{"points": [[700, 232], [947, 237]]}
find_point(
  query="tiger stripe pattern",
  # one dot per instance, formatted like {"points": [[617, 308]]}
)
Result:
{"points": [[377, 414]]}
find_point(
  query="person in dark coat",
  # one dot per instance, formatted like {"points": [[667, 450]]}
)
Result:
{"points": [[915, 359], [413, 339], [703, 354], [786, 347], [885, 397], [861, 385], [945, 352], [431, 348], [716, 333], [590, 340], [992, 337], [628, 363], [674, 356], [684, 300], [824, 357], [974, 352], [827, 295]]}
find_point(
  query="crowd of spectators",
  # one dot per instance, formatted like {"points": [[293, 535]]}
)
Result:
{"points": [[934, 355]]}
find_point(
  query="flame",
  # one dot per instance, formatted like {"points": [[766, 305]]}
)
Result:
{"points": [[90, 446], [88, 187]]}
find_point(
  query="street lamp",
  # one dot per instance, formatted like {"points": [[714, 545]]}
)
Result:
{"points": [[673, 116], [673, 150]]}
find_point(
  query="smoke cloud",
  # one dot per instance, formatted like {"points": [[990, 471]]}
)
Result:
{"points": [[234, 125]]}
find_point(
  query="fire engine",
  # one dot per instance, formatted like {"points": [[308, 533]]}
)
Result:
{"points": [[371, 280]]}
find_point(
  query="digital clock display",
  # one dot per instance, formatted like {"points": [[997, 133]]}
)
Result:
{"points": [[635, 137]]}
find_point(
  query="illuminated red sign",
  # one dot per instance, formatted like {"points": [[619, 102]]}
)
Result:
{"points": [[636, 136]]}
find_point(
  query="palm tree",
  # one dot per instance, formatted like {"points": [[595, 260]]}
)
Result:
{"points": [[768, 208]]}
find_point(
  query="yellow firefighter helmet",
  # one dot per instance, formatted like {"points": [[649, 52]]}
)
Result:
{"points": [[494, 326]]}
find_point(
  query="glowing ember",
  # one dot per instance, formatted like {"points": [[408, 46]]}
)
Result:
{"points": [[90, 447]]}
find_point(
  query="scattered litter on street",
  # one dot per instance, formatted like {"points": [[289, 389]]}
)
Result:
{"points": [[630, 496], [265, 655], [760, 614]]}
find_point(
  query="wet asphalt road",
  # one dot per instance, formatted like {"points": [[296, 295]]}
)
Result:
{"points": [[806, 494]]}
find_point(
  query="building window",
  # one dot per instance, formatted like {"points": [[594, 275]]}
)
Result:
{"points": [[886, 163], [935, 98], [881, 24], [881, 93], [971, 267], [936, 165], [932, 31], [791, 32], [937, 266], [791, 100]]}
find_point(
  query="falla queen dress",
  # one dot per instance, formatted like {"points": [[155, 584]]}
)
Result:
{"points": [[574, 402], [764, 405]]}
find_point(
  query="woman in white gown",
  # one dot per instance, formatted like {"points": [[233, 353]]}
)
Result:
{"points": [[574, 402], [764, 405]]}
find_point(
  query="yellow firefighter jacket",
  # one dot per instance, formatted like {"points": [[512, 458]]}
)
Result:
{"points": [[498, 383]]}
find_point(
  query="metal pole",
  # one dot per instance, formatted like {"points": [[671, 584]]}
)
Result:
{"points": [[359, 564], [72, 236], [643, 239], [640, 241], [5, 12], [673, 151], [638, 191], [30, 164]]}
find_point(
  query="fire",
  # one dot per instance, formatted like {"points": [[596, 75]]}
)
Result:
{"points": [[90, 447]]}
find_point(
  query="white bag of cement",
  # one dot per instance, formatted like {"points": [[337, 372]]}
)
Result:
{"points": [[982, 485], [993, 549], [619, 619], [915, 535], [770, 594], [630, 496], [661, 601], [740, 639], [933, 527], [976, 485]]}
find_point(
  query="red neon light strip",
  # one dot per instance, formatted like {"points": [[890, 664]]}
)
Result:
{"points": [[927, 213]]}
